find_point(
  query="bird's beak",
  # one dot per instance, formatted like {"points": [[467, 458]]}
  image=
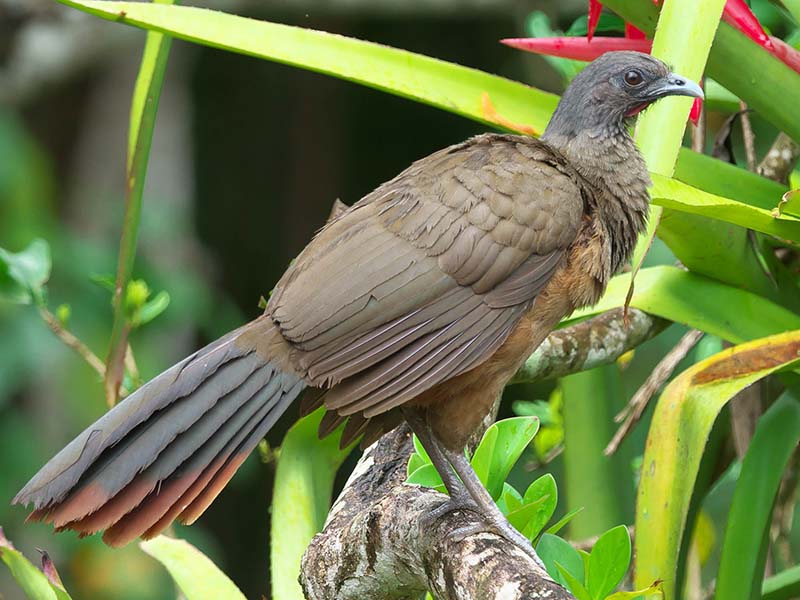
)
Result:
{"points": [[673, 85]]}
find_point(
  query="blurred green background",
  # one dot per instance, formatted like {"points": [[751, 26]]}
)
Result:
{"points": [[247, 158]]}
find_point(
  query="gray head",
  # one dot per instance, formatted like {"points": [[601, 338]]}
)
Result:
{"points": [[612, 88]]}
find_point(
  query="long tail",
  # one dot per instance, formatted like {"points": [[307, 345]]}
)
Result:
{"points": [[167, 450]]}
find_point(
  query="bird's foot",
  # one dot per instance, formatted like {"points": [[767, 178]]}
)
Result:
{"points": [[491, 523]]}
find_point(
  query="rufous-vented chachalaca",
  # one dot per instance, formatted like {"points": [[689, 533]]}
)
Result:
{"points": [[418, 303]]}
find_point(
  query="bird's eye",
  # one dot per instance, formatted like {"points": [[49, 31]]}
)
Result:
{"points": [[633, 78]]}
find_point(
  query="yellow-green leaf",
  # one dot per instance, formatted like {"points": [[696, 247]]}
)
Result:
{"points": [[681, 424], [197, 576]]}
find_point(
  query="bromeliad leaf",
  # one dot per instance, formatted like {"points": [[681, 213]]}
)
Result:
{"points": [[193, 571], [23, 274], [698, 302], [744, 550], [681, 425]]}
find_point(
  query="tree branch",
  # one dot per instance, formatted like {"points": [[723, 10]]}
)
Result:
{"points": [[382, 542], [592, 343]]}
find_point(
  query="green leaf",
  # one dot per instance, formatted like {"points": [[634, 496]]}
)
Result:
{"points": [[698, 302], [679, 196], [193, 571], [680, 428], [501, 447], [34, 583], [427, 476], [552, 549], [415, 462], [573, 583], [608, 562], [522, 517], [542, 494], [563, 521], [782, 586], [744, 549], [510, 500], [23, 274], [152, 308], [301, 498]]}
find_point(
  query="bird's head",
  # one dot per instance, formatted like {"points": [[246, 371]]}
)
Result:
{"points": [[612, 88]]}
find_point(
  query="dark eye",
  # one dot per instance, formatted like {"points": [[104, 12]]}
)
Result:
{"points": [[633, 78]]}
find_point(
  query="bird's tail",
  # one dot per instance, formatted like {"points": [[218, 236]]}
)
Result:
{"points": [[167, 450]]}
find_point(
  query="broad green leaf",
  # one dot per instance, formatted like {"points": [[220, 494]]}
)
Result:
{"points": [[608, 562], [553, 549], [574, 585], [510, 500], [427, 476], [301, 499], [563, 521], [522, 517], [543, 494], [782, 586], [744, 549], [500, 448], [197, 576], [680, 427], [33, 582], [698, 302], [415, 462], [23, 274]]}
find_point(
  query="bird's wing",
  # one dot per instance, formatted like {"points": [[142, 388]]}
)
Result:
{"points": [[426, 277]]}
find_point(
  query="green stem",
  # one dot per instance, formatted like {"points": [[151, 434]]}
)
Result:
{"points": [[144, 107]]}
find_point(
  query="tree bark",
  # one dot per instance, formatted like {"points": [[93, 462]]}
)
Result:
{"points": [[385, 541]]}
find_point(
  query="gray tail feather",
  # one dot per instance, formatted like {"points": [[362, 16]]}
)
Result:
{"points": [[170, 445]]}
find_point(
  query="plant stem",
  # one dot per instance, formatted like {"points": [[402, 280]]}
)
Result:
{"points": [[143, 115], [72, 342]]}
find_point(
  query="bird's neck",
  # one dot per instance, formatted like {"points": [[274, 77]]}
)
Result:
{"points": [[609, 161]]}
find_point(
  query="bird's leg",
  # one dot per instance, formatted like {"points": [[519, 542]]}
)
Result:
{"points": [[486, 505], [458, 492], [465, 488]]}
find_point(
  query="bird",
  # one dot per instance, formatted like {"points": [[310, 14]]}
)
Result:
{"points": [[416, 304]]}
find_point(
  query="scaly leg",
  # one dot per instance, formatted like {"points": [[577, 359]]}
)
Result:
{"points": [[419, 425], [486, 505], [465, 489]]}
